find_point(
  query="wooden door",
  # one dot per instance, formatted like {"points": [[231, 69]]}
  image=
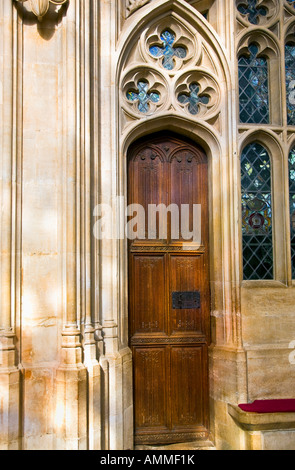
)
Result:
{"points": [[169, 298]]}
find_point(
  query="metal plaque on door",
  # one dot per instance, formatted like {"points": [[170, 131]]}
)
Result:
{"points": [[186, 300]]}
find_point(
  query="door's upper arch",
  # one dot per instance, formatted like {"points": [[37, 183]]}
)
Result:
{"points": [[203, 136]]}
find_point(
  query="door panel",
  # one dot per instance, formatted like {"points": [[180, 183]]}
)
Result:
{"points": [[149, 280], [150, 385], [185, 276], [187, 381], [169, 298]]}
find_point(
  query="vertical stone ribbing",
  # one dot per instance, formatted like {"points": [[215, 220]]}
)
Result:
{"points": [[87, 282], [71, 407], [10, 143]]}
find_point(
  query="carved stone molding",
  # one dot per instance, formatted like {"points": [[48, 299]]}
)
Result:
{"points": [[133, 5], [41, 7]]}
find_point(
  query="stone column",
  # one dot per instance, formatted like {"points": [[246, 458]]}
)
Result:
{"points": [[89, 281], [10, 73], [116, 360], [71, 409]]}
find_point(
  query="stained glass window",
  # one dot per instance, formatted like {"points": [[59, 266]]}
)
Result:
{"points": [[292, 206], [253, 88], [193, 98], [290, 82], [256, 213], [143, 96], [252, 10], [167, 50]]}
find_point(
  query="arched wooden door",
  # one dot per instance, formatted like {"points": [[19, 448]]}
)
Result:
{"points": [[169, 298]]}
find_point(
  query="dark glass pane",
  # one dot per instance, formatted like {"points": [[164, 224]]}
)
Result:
{"points": [[253, 88], [256, 213], [292, 206], [290, 82]]}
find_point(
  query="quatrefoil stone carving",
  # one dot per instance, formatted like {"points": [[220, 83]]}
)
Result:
{"points": [[193, 98], [198, 94], [144, 91]]}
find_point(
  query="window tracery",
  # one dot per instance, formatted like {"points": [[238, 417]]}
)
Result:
{"points": [[257, 12], [172, 73], [252, 10], [143, 92]]}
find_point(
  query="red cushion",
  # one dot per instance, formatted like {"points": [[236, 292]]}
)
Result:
{"points": [[270, 406]]}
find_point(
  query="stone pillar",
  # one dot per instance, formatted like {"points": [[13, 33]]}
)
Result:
{"points": [[91, 328], [10, 33], [116, 359], [71, 378]]}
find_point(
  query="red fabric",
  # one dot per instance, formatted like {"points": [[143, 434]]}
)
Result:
{"points": [[270, 406]]}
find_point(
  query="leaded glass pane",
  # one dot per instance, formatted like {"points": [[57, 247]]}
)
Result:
{"points": [[193, 98], [252, 10], [143, 96], [167, 50], [256, 213], [253, 88], [292, 206], [290, 82]]}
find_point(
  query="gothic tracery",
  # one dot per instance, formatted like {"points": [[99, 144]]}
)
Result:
{"points": [[173, 73], [264, 40]]}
